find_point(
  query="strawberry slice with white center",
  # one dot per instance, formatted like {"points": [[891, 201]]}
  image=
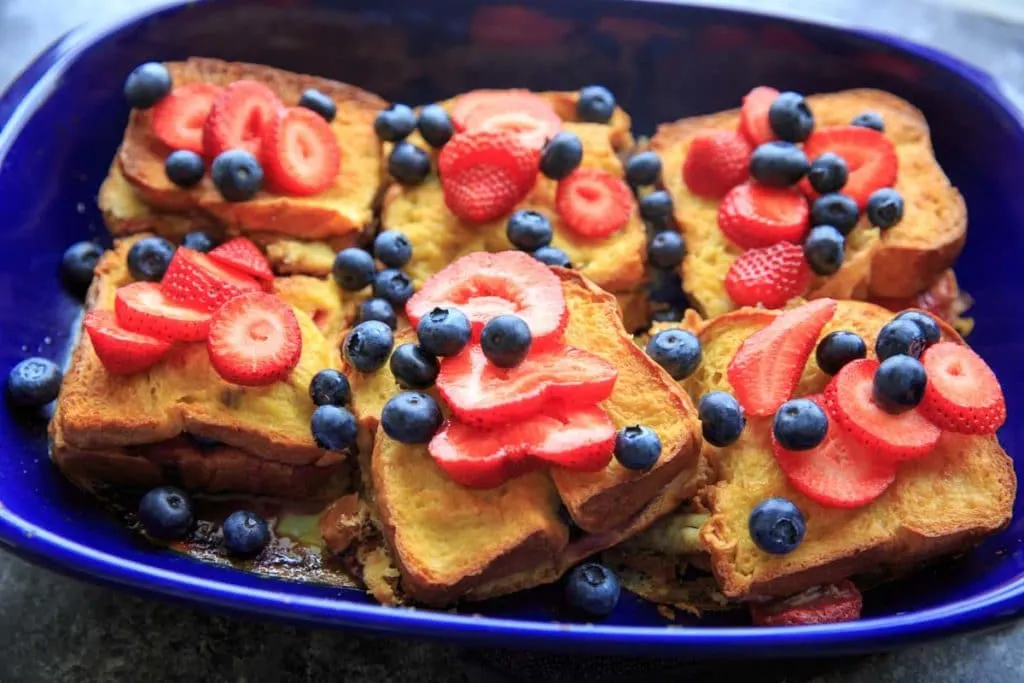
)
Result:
{"points": [[122, 352], [963, 394], [254, 340], [238, 117], [905, 436], [840, 471], [484, 286], [243, 256], [574, 438], [526, 115], [593, 202], [301, 156], [481, 393], [178, 118], [194, 279], [767, 367], [829, 604], [754, 123], [752, 215], [142, 307], [869, 155]]}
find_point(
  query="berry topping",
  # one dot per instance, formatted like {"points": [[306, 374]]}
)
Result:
{"points": [[899, 384], [790, 117], [392, 248], [524, 115], [394, 286], [78, 265], [254, 340], [34, 382], [198, 241], [122, 352], [149, 258], [142, 307], [408, 164], [561, 155], [592, 590], [644, 169], [237, 175], [196, 280], [243, 256], [595, 104], [799, 424], [776, 525], [594, 203], [552, 256], [368, 345], [755, 124], [184, 168], [869, 119], [300, 153], [900, 336], [246, 534], [319, 102], [753, 215], [824, 249], [330, 387], [837, 210], [869, 156], [778, 164], [963, 394], [529, 230], [829, 604], [484, 174], [354, 269], [239, 117], [444, 331], [378, 309], [637, 447], [656, 209], [716, 162], [929, 328], [885, 208], [395, 123], [770, 276], [146, 85], [334, 428], [165, 513], [721, 418], [413, 367], [411, 418], [435, 125], [179, 117], [837, 349], [677, 351], [828, 173], [506, 340], [666, 249], [768, 365]]}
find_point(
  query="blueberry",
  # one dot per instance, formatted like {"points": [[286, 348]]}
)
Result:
{"points": [[900, 336], [245, 533], [721, 418], [354, 268], [34, 382], [334, 428], [777, 526], [165, 513], [561, 155], [666, 249], [899, 384], [330, 387], [237, 175], [828, 173], [529, 230], [394, 123], [666, 287], [506, 340], [884, 208], [319, 102], [368, 345], [149, 257], [378, 309], [928, 326], [837, 210], [198, 241], [596, 104], [78, 264], [392, 248], [656, 208], [637, 447], [184, 168], [837, 349], [592, 589], [869, 119], [800, 424], [444, 331], [146, 85], [824, 249], [552, 256], [778, 164], [790, 117], [677, 351], [411, 417], [413, 367], [435, 125], [408, 164], [643, 169], [671, 314], [393, 285]]}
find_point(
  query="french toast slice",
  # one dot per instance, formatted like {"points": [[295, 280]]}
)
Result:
{"points": [[899, 263]]}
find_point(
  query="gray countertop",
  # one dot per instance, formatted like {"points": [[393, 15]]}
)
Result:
{"points": [[57, 629]]}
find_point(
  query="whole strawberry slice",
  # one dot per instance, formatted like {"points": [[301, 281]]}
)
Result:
{"points": [[196, 280], [962, 394], [767, 367], [242, 255], [869, 156], [829, 604], [753, 215], [484, 286], [254, 340], [526, 115], [238, 117], [481, 393], [485, 173], [178, 118], [848, 398], [839, 472], [142, 307], [122, 352], [575, 438], [301, 156], [594, 203], [770, 276], [716, 162], [754, 123]]}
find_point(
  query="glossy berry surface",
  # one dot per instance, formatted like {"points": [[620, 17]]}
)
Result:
{"points": [[529, 230], [777, 526], [637, 447], [330, 387], [899, 384], [444, 331], [506, 340], [592, 590], [354, 269], [411, 417], [837, 349], [149, 257], [721, 418], [800, 424], [334, 428], [245, 533], [165, 513], [677, 351]]}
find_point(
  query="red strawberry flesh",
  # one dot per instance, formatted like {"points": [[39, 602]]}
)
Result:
{"points": [[829, 604], [142, 307], [769, 276], [238, 117], [301, 156], [754, 123], [485, 173], [963, 394], [869, 155], [254, 340], [526, 115], [242, 255], [753, 215], [716, 161], [593, 202], [194, 279], [122, 352], [178, 119]]}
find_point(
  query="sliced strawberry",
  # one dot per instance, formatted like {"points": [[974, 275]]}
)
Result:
{"points": [[241, 255], [196, 280], [753, 215], [122, 352], [839, 472], [239, 115], [484, 286], [179, 117], [716, 162], [768, 277], [484, 174], [754, 123], [900, 437], [829, 604], [767, 367], [254, 340], [869, 156], [962, 394], [526, 115], [481, 393], [142, 307], [301, 156], [576, 438], [593, 202]]}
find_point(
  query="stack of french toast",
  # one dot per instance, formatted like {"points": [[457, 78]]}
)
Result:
{"points": [[436, 325]]}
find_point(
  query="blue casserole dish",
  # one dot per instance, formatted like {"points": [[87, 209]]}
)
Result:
{"points": [[64, 116]]}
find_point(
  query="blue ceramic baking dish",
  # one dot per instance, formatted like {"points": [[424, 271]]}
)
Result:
{"points": [[63, 117]]}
